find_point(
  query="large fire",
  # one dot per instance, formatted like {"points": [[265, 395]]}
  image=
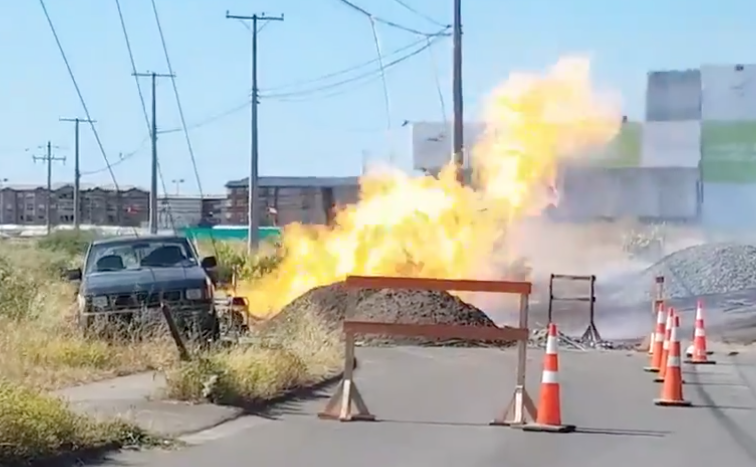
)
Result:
{"points": [[434, 226]]}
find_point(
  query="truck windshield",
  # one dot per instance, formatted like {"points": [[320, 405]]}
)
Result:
{"points": [[140, 254]]}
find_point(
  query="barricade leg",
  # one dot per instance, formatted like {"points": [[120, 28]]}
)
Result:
{"points": [[521, 405], [347, 397]]}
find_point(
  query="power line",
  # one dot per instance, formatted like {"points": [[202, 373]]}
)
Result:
{"points": [[142, 102], [385, 21], [212, 119], [412, 9], [78, 92], [361, 81], [249, 28], [178, 97], [121, 157], [386, 96], [200, 124], [340, 91], [437, 78], [372, 73], [347, 70]]}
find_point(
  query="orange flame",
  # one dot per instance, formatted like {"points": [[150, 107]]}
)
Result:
{"points": [[435, 227]]}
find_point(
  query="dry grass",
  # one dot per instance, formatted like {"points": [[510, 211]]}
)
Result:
{"points": [[39, 342], [34, 426], [41, 349], [302, 353]]}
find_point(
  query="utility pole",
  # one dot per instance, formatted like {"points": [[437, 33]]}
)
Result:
{"points": [[49, 159], [253, 209], [77, 171], [458, 142], [154, 161]]}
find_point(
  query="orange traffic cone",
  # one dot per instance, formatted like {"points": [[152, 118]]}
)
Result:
{"points": [[699, 353], [657, 345], [672, 389], [652, 338], [665, 345], [549, 416]]}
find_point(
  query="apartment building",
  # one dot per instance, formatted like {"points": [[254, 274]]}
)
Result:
{"points": [[212, 209], [99, 205], [283, 200]]}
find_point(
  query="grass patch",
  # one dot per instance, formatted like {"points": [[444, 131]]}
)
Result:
{"points": [[301, 353], [34, 427]]}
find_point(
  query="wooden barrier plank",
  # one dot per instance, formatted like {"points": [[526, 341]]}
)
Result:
{"points": [[459, 285], [438, 331], [573, 277]]}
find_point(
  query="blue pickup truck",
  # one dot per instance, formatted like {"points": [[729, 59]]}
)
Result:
{"points": [[128, 280]]}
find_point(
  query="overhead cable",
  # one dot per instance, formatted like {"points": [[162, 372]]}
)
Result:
{"points": [[362, 76], [412, 9], [132, 61], [82, 101], [392, 24]]}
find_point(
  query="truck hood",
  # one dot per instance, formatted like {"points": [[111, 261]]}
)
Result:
{"points": [[145, 279]]}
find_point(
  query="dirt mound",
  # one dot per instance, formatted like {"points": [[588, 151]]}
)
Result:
{"points": [[332, 304]]}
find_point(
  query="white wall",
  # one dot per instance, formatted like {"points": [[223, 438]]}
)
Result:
{"points": [[591, 192], [728, 92], [671, 144], [179, 211], [673, 95]]}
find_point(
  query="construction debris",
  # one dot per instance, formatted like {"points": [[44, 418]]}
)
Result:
{"points": [[539, 336]]}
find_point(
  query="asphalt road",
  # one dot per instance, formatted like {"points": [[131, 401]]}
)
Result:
{"points": [[434, 405]]}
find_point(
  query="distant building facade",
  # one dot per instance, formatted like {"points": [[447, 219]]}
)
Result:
{"points": [[99, 205], [283, 200], [212, 210]]}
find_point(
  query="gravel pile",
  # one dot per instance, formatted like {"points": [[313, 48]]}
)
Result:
{"points": [[711, 269], [332, 302]]}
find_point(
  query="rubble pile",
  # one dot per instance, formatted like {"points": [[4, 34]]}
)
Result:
{"points": [[711, 269], [334, 303]]}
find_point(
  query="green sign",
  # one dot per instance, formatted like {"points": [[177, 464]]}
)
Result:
{"points": [[728, 152], [622, 151], [230, 232]]}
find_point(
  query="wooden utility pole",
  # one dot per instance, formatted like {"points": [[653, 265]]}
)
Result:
{"points": [[77, 170], [48, 158], [458, 132], [154, 160], [253, 208]]}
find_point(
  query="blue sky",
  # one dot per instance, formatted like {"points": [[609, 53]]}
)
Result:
{"points": [[310, 134]]}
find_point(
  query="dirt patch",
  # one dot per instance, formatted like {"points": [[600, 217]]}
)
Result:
{"points": [[334, 303]]}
